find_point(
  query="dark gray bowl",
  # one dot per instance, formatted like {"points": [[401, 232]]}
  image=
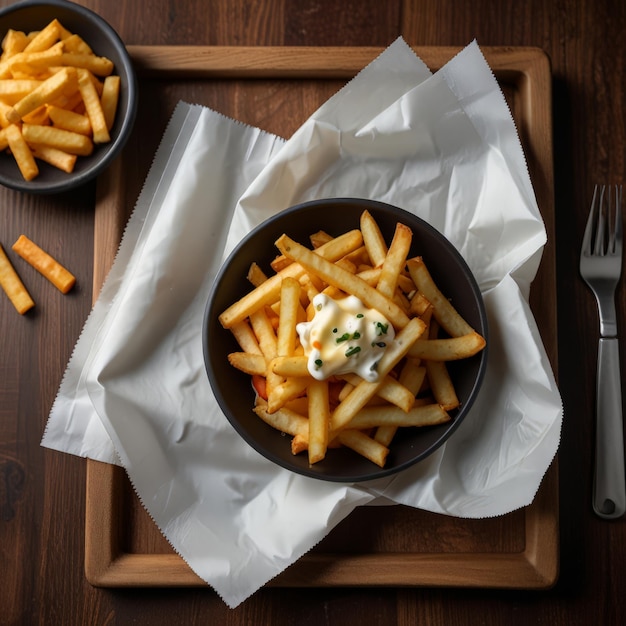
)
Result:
{"points": [[104, 41], [233, 389]]}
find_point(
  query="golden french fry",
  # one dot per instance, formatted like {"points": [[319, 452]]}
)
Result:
{"points": [[449, 349], [256, 275], [319, 417], [283, 419], [443, 310], [45, 38], [14, 42], [245, 337], [12, 91], [74, 43], [99, 66], [4, 140], [289, 305], [441, 385], [68, 120], [57, 158], [65, 140], [93, 107], [319, 238], [109, 99], [21, 153], [253, 364], [342, 279], [426, 415], [284, 392], [290, 366], [364, 445], [373, 239], [13, 286], [395, 260], [45, 264]]}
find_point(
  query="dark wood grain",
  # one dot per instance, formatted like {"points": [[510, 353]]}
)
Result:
{"points": [[42, 497]]}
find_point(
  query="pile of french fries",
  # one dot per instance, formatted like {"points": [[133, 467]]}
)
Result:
{"points": [[414, 387], [57, 98]]}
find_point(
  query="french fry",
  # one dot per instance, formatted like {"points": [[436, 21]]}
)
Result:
{"points": [[285, 420], [99, 66], [319, 417], [245, 337], [441, 385], [21, 153], [253, 364], [289, 304], [290, 366], [13, 286], [364, 445], [45, 38], [426, 415], [12, 91], [109, 99], [74, 43], [46, 265], [373, 239], [452, 349], [93, 107], [443, 310], [14, 42], [57, 158], [256, 275], [73, 143], [285, 391], [395, 260], [69, 120]]}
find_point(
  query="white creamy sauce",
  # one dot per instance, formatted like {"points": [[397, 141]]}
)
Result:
{"points": [[344, 337]]}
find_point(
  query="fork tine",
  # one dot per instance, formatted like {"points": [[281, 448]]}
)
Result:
{"points": [[598, 245], [586, 245], [617, 231]]}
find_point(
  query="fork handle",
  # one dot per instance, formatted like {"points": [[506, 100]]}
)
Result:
{"points": [[609, 490]]}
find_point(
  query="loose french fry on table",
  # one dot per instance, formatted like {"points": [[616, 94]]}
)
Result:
{"points": [[13, 286], [45, 264]]}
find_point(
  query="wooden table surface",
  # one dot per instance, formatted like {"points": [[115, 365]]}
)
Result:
{"points": [[42, 492]]}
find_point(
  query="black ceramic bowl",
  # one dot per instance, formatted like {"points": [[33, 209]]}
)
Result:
{"points": [[104, 41], [233, 389]]}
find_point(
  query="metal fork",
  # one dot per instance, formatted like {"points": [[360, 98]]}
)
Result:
{"points": [[600, 267]]}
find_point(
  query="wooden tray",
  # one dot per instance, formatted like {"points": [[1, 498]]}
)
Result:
{"points": [[377, 546]]}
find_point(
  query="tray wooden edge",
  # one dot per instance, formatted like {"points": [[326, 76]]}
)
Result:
{"points": [[107, 564]]}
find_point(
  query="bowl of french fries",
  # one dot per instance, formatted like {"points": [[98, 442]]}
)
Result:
{"points": [[345, 339], [68, 96]]}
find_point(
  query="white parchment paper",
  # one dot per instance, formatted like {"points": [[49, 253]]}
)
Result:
{"points": [[135, 392]]}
